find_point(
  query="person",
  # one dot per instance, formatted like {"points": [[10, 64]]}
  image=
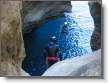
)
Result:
{"points": [[65, 28], [51, 52]]}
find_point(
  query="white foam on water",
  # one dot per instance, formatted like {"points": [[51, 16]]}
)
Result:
{"points": [[80, 28]]}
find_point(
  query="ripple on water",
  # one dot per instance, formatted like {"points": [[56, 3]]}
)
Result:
{"points": [[80, 29]]}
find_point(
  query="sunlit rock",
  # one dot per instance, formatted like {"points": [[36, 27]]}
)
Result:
{"points": [[12, 50], [87, 65]]}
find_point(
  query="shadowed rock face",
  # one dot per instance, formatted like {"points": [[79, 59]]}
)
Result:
{"points": [[35, 13], [95, 9]]}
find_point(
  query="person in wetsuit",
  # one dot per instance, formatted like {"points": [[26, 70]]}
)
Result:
{"points": [[65, 28], [52, 52]]}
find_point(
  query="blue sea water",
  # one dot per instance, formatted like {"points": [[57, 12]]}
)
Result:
{"points": [[35, 42], [75, 42]]}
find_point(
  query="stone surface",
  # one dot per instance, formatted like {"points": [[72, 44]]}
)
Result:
{"points": [[35, 13], [95, 9], [12, 49], [87, 65]]}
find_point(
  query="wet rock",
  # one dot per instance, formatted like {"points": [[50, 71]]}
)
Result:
{"points": [[95, 9], [35, 13], [87, 65]]}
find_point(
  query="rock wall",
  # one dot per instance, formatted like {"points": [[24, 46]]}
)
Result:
{"points": [[12, 49], [87, 65], [95, 9], [35, 13]]}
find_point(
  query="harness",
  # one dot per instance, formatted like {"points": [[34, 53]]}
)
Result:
{"points": [[52, 58]]}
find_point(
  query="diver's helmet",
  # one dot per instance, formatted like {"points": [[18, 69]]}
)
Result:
{"points": [[65, 23], [53, 38]]}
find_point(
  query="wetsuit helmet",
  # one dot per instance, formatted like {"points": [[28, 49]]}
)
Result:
{"points": [[53, 39], [65, 23]]}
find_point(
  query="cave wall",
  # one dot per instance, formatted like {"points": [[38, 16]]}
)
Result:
{"points": [[35, 13], [95, 9], [46, 10], [12, 49]]}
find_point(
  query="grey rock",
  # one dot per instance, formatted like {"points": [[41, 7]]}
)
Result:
{"points": [[86, 65], [35, 13], [95, 9]]}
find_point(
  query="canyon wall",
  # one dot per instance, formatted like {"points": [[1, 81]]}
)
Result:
{"points": [[12, 48]]}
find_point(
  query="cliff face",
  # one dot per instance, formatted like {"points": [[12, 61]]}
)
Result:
{"points": [[35, 13], [12, 50]]}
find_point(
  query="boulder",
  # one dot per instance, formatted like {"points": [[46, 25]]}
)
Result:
{"points": [[86, 65]]}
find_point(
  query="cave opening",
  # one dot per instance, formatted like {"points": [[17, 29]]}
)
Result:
{"points": [[76, 42]]}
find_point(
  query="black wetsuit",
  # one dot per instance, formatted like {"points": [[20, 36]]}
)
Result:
{"points": [[65, 29]]}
